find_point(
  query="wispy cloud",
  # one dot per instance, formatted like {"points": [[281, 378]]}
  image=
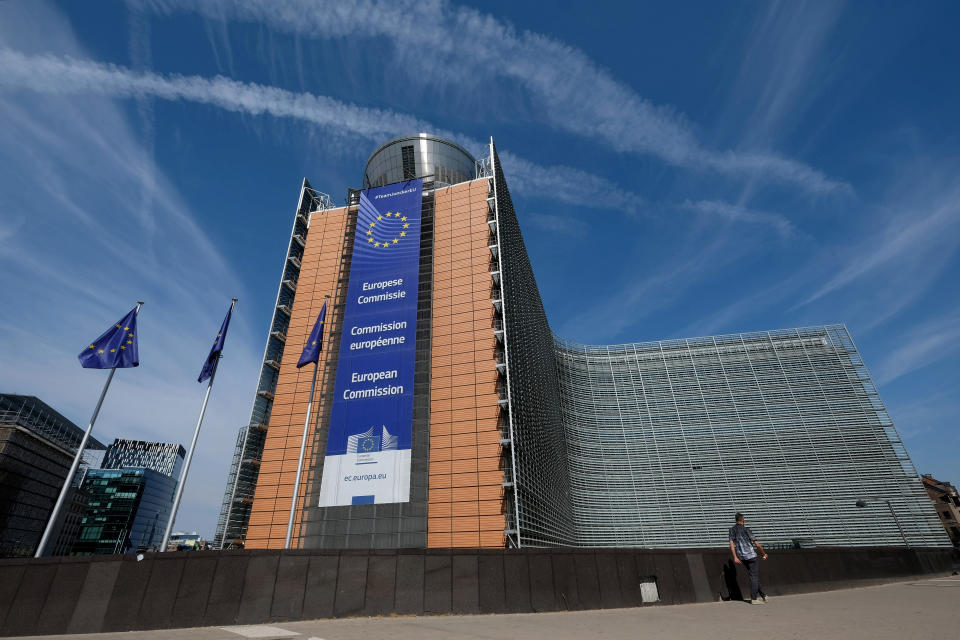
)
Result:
{"points": [[641, 292], [571, 91], [737, 213], [564, 225], [921, 347], [911, 250], [82, 249], [68, 75]]}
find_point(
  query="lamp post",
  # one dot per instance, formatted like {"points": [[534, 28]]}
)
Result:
{"points": [[863, 503]]}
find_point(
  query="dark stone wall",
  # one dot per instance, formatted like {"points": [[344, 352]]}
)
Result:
{"points": [[76, 595]]}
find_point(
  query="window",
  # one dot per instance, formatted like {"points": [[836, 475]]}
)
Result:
{"points": [[409, 164]]}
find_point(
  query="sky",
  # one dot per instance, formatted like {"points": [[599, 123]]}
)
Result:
{"points": [[678, 171]]}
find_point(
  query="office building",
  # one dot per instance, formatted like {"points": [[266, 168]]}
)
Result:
{"points": [[127, 511], [129, 498], [448, 414], [162, 457], [947, 503], [37, 446]]}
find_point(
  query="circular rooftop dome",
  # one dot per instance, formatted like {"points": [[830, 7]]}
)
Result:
{"points": [[419, 155]]}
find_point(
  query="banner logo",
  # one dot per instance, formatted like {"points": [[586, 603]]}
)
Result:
{"points": [[371, 420]]}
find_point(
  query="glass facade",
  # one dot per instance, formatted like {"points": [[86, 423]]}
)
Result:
{"points": [[667, 440], [127, 511], [163, 457]]}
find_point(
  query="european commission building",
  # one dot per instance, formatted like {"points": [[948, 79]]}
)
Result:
{"points": [[450, 415]]}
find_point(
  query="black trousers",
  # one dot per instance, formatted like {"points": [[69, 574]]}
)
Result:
{"points": [[753, 570]]}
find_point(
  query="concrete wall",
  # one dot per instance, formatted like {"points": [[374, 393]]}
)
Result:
{"points": [[173, 590]]}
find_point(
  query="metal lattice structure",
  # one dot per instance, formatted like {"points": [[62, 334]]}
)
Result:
{"points": [[667, 440], [38, 417], [539, 510], [245, 465]]}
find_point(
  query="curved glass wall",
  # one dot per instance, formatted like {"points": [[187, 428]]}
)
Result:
{"points": [[667, 440], [419, 156]]}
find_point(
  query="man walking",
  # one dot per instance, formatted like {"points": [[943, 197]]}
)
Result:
{"points": [[742, 543]]}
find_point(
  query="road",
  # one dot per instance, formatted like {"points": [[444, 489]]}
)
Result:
{"points": [[917, 609]]}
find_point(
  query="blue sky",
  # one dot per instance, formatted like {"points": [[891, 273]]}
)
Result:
{"points": [[678, 171]]}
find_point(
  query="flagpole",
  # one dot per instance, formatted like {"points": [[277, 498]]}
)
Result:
{"points": [[303, 447], [76, 462], [193, 445]]}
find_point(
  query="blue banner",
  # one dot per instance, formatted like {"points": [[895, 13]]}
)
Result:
{"points": [[371, 420]]}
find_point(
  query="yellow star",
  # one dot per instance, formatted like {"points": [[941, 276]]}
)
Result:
{"points": [[389, 214], [406, 225], [314, 342], [373, 224], [112, 350], [99, 350], [386, 244], [92, 346], [403, 219], [379, 217], [130, 334], [369, 239], [129, 341], [118, 326], [369, 233], [403, 233], [376, 244], [126, 328], [394, 241], [122, 347]]}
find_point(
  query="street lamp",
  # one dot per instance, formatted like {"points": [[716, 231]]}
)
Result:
{"points": [[863, 503]]}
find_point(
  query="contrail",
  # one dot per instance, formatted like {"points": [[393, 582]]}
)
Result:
{"points": [[66, 75], [573, 93]]}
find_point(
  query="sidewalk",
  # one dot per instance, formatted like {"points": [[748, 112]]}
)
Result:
{"points": [[916, 610]]}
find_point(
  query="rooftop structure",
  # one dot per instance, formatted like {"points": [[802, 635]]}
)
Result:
{"points": [[162, 457]]}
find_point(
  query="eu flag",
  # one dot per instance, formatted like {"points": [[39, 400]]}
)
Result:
{"points": [[311, 350], [210, 366], [117, 347]]}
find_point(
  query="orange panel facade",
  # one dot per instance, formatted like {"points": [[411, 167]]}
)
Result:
{"points": [[465, 497], [318, 277], [464, 493]]}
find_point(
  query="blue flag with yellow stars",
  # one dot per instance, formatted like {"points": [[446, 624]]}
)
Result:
{"points": [[117, 347], [210, 366], [311, 350]]}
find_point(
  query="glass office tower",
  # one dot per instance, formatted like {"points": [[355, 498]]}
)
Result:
{"points": [[521, 438], [127, 511]]}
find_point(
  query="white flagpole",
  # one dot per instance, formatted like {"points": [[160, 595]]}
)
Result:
{"points": [[303, 446], [76, 462], [193, 445]]}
